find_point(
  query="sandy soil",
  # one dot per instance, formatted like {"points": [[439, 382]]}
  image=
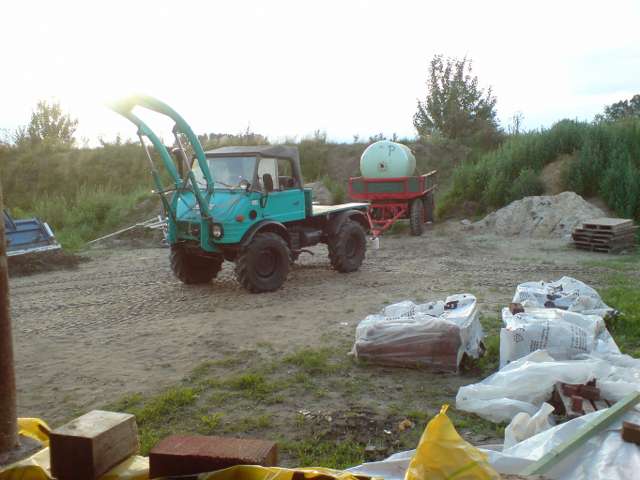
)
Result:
{"points": [[122, 323]]}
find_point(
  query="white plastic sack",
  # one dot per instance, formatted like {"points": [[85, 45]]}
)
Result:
{"points": [[524, 426], [567, 294], [604, 456], [434, 334], [563, 334], [523, 385]]}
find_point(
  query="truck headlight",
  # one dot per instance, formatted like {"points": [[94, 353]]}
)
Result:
{"points": [[216, 230]]}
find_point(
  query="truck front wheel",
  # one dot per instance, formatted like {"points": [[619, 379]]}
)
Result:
{"points": [[192, 269], [264, 264], [347, 247]]}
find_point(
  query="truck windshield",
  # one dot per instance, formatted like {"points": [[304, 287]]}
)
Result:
{"points": [[227, 171]]}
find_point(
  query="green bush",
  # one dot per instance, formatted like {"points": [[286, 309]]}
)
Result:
{"points": [[606, 163]]}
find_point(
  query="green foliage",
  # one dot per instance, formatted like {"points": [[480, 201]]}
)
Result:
{"points": [[455, 106], [337, 189], [528, 183], [621, 110], [49, 127], [608, 165], [510, 172]]}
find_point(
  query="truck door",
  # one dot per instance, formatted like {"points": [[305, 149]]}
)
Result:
{"points": [[283, 203]]}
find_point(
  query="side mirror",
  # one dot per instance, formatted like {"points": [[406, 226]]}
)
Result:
{"points": [[267, 182]]}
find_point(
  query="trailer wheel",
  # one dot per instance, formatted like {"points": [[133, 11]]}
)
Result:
{"points": [[429, 208], [264, 264], [347, 247], [416, 217], [193, 269]]}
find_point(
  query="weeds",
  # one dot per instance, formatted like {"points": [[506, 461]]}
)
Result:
{"points": [[328, 454]]}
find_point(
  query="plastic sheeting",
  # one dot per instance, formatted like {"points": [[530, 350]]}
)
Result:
{"points": [[567, 294], [523, 385], [563, 334], [604, 456], [434, 334], [524, 426]]}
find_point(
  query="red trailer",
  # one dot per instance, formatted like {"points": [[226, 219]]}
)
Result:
{"points": [[392, 199]]}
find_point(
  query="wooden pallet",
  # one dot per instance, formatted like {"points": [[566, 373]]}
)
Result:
{"points": [[611, 224], [606, 235]]}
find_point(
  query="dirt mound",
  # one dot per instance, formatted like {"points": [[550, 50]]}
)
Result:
{"points": [[29, 264], [540, 217]]}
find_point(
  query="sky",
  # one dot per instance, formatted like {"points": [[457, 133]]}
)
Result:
{"points": [[289, 68]]}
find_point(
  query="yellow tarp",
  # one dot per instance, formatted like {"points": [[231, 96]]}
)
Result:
{"points": [[443, 454], [254, 472]]}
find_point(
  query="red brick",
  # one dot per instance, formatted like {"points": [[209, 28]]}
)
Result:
{"points": [[592, 393], [187, 455], [631, 432]]}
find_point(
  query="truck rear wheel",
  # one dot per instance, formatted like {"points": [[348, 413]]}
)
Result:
{"points": [[347, 247], [264, 264], [192, 269], [416, 217]]}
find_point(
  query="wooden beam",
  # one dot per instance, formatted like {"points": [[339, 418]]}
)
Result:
{"points": [[90, 445], [8, 420], [583, 434]]}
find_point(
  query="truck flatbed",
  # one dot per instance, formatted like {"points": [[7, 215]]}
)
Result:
{"points": [[317, 210]]}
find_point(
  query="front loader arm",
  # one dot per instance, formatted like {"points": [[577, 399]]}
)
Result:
{"points": [[124, 107]]}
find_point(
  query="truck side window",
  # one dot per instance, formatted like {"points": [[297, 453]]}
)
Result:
{"points": [[270, 166], [285, 172]]}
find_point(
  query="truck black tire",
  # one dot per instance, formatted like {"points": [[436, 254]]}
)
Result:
{"points": [[416, 217], [429, 207], [263, 265], [347, 247], [193, 269]]}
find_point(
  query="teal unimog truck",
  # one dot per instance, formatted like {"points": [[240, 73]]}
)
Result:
{"points": [[246, 205]]}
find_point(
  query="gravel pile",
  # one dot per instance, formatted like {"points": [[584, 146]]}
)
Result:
{"points": [[540, 217]]}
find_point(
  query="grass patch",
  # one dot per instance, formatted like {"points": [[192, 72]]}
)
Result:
{"points": [[328, 454], [623, 294], [311, 361], [474, 424], [490, 361], [211, 422], [166, 406]]}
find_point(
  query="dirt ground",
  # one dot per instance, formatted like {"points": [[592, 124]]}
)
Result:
{"points": [[121, 323]]}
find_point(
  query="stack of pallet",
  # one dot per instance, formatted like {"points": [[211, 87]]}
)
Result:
{"points": [[611, 235]]}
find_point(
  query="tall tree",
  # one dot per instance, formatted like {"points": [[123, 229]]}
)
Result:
{"points": [[621, 109], [455, 105], [48, 125]]}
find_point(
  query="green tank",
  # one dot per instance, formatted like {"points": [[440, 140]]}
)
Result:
{"points": [[386, 159]]}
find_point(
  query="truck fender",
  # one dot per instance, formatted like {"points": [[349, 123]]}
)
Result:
{"points": [[265, 226], [355, 215]]}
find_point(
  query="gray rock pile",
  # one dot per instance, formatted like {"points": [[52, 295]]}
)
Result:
{"points": [[540, 217]]}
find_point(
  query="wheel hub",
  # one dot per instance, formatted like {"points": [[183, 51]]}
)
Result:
{"points": [[267, 263]]}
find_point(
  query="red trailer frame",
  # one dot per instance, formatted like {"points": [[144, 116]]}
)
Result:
{"points": [[387, 207]]}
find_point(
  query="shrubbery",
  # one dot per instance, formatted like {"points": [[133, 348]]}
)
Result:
{"points": [[606, 163]]}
